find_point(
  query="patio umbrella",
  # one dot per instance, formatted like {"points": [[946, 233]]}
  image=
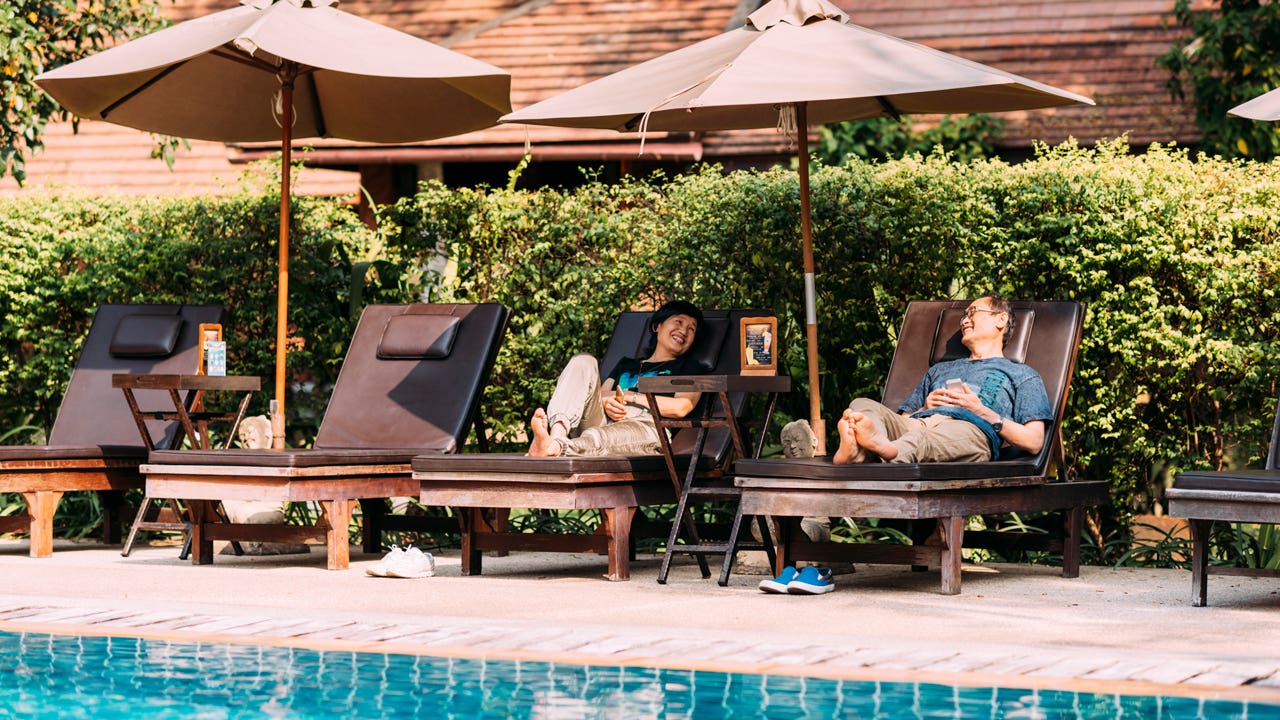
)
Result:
{"points": [[794, 62], [1263, 107], [284, 69]]}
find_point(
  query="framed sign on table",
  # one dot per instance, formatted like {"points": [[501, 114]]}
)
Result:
{"points": [[209, 333], [759, 345]]}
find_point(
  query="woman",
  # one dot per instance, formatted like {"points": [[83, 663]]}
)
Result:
{"points": [[588, 417]]}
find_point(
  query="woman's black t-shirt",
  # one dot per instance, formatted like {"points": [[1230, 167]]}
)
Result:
{"points": [[627, 373]]}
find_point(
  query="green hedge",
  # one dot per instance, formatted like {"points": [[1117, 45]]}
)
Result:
{"points": [[1176, 258], [66, 256]]}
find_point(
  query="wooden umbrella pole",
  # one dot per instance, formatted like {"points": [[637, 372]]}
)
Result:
{"points": [[282, 280], [810, 291]]}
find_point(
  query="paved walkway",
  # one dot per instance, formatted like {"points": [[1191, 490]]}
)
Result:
{"points": [[1111, 630]]}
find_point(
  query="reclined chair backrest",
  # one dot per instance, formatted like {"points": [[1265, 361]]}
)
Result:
{"points": [[413, 377], [717, 351], [128, 339], [1046, 337]]}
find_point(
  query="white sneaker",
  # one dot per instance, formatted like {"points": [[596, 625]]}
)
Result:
{"points": [[412, 563], [379, 569]]}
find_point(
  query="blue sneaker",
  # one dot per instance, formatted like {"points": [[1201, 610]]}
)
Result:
{"points": [[779, 584], [812, 581]]}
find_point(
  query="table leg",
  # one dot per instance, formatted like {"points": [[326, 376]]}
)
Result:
{"points": [[235, 424], [952, 530], [617, 526], [137, 418], [1200, 530], [337, 514], [472, 522], [201, 512], [184, 418], [683, 518], [41, 506]]}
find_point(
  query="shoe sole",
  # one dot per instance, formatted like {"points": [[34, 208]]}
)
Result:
{"points": [[799, 588], [410, 576], [772, 587]]}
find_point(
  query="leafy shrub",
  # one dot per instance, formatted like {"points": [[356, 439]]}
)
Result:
{"points": [[67, 256], [1175, 257]]}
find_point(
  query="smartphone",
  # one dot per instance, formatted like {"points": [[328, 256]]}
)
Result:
{"points": [[955, 385]]}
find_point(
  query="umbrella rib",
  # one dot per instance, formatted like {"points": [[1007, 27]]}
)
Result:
{"points": [[889, 108], [236, 56], [132, 93]]}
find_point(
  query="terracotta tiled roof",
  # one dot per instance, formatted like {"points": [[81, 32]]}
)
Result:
{"points": [[106, 159], [1105, 50]]}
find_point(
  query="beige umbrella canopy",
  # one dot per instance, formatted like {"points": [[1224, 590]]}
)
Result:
{"points": [[279, 69], [793, 63], [1263, 107]]}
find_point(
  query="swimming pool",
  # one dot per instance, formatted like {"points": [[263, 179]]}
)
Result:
{"points": [[45, 676]]}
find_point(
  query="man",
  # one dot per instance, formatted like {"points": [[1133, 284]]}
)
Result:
{"points": [[963, 410]]}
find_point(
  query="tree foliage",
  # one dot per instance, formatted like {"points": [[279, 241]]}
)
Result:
{"points": [[40, 35], [1230, 56]]}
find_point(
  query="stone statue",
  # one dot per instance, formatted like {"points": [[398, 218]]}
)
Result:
{"points": [[798, 440], [255, 433]]}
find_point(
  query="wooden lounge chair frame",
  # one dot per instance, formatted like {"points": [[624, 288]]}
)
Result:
{"points": [[410, 385], [1047, 338], [477, 485], [95, 444], [1239, 496]]}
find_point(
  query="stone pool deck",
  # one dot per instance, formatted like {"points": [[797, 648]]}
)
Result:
{"points": [[1110, 630]]}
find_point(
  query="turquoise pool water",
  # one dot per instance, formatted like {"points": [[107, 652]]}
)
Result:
{"points": [[47, 676]]}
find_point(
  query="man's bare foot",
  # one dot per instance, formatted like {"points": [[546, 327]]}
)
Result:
{"points": [[872, 438], [849, 450], [543, 444]]}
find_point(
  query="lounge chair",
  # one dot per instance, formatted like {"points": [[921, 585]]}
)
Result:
{"points": [[410, 385], [476, 484], [95, 444], [1047, 337], [1242, 496]]}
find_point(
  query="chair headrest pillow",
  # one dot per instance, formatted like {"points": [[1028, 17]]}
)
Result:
{"points": [[947, 344], [141, 335], [418, 337]]}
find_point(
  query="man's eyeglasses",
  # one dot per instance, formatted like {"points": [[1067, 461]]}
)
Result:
{"points": [[968, 313]]}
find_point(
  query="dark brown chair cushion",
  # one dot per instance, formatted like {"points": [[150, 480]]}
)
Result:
{"points": [[823, 469], [418, 337], [287, 458], [1250, 481], [146, 336], [518, 463]]}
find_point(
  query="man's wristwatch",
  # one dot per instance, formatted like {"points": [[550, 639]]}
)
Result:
{"points": [[998, 425]]}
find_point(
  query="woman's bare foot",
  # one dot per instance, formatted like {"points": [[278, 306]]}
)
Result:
{"points": [[849, 450], [872, 438], [543, 445]]}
